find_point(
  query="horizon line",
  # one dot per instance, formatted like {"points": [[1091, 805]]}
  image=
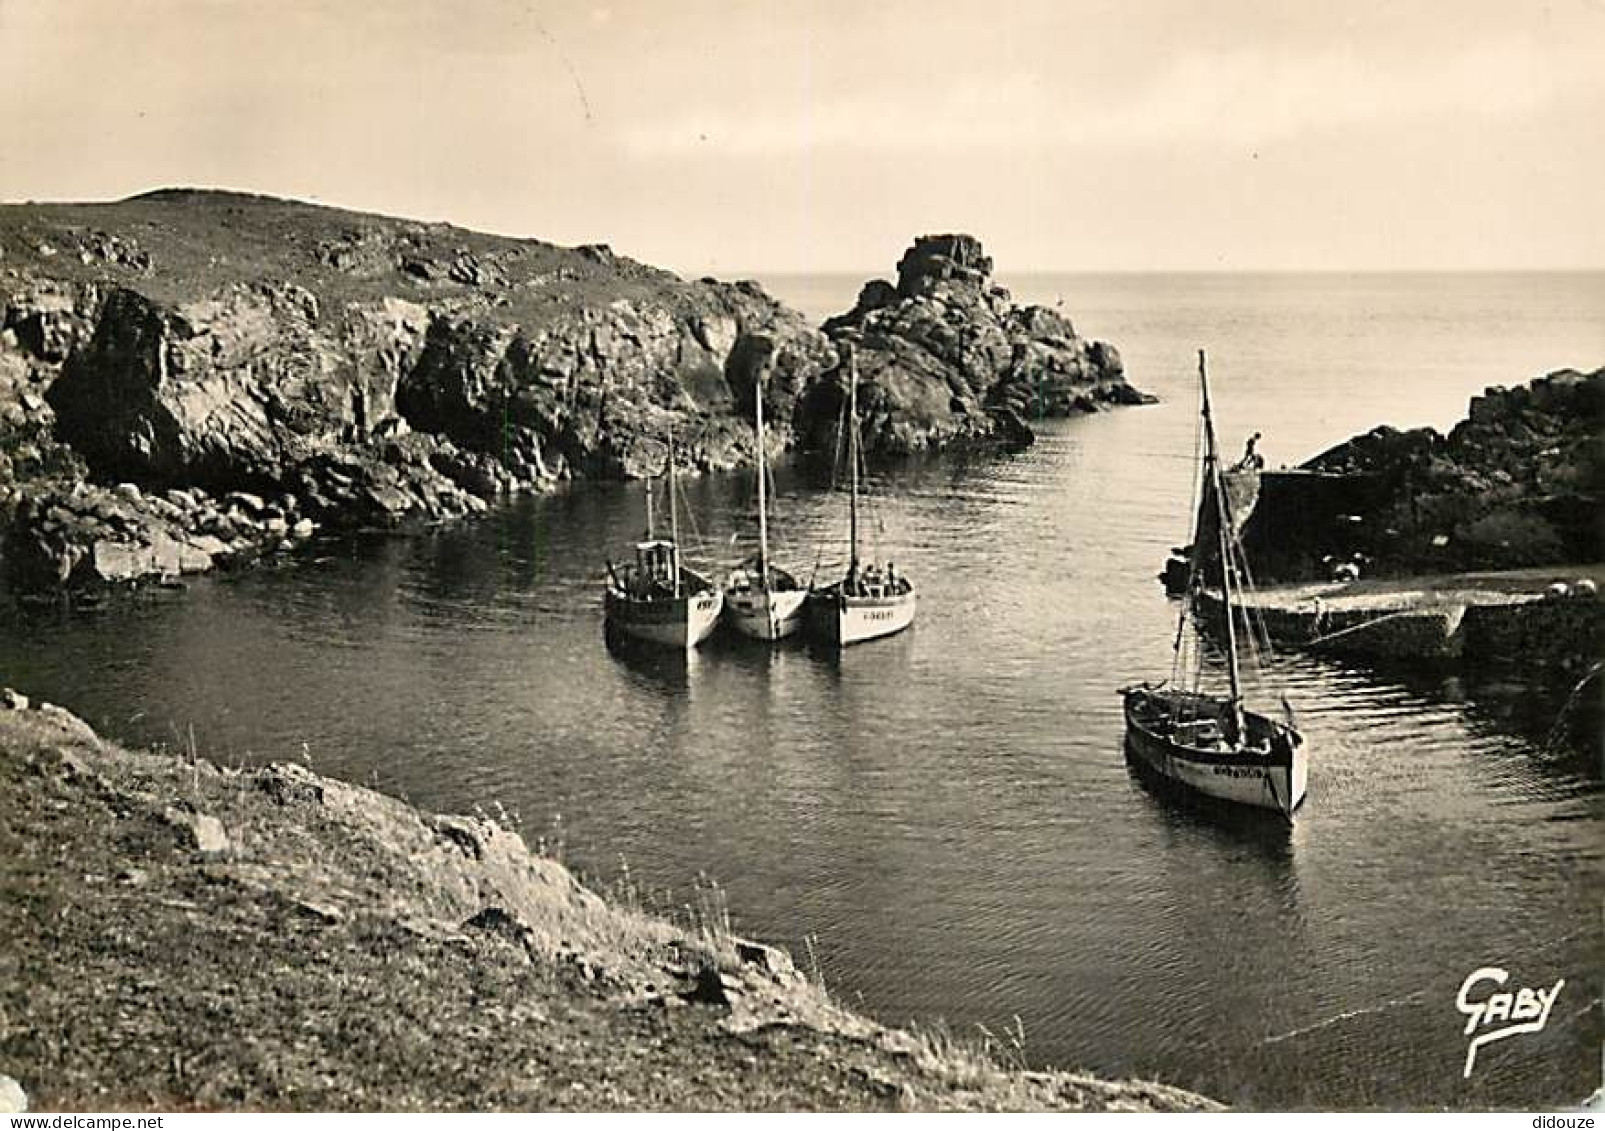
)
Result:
{"points": [[848, 272]]}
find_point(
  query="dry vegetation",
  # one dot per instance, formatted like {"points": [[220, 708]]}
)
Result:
{"points": [[183, 936], [173, 244]]}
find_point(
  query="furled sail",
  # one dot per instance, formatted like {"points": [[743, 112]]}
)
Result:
{"points": [[1241, 486]]}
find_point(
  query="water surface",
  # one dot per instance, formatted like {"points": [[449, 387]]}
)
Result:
{"points": [[949, 812]]}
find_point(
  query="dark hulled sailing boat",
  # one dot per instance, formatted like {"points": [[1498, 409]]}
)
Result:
{"points": [[1208, 742], [657, 599]]}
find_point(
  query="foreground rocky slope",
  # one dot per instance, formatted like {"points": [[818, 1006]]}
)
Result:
{"points": [[183, 936], [192, 377], [1518, 483], [944, 354]]}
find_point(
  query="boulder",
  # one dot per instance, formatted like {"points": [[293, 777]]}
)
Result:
{"points": [[79, 536], [200, 831], [47, 318]]}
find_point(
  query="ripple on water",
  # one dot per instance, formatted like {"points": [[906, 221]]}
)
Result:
{"points": [[950, 812]]}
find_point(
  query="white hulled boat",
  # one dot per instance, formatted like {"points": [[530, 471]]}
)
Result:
{"points": [[656, 598], [1208, 742], [871, 600], [760, 599]]}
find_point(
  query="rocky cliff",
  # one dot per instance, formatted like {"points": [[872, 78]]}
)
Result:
{"points": [[944, 354], [192, 377], [188, 376], [1517, 483]]}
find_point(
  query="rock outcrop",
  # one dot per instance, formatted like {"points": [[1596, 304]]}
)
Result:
{"points": [[1517, 483], [590, 391], [375, 371], [72, 533], [944, 355]]}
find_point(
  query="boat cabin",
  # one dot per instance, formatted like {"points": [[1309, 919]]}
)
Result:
{"points": [[748, 576], [873, 581], [657, 565]]}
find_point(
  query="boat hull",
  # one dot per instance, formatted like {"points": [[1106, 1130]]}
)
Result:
{"points": [[673, 622], [839, 619], [767, 615], [1274, 778]]}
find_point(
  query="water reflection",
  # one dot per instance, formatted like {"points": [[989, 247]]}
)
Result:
{"points": [[947, 810], [1267, 828], [667, 671]]}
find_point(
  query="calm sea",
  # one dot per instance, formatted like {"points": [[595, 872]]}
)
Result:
{"points": [[949, 814]]}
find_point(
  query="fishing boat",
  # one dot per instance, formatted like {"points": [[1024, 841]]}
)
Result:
{"points": [[657, 599], [762, 600], [1208, 742], [872, 599]]}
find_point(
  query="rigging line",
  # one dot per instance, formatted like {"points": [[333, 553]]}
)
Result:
{"points": [[1195, 502], [1361, 625], [841, 438], [1222, 530], [677, 497], [696, 532], [1256, 630], [779, 528], [1256, 635], [1197, 479], [1153, 454], [1557, 730], [1235, 560], [1264, 630]]}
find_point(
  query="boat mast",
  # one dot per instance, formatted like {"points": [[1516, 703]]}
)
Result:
{"points": [[1223, 533], [852, 455], [763, 508], [674, 516]]}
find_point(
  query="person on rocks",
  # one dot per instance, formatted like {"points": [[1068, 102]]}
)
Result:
{"points": [[1252, 460]]}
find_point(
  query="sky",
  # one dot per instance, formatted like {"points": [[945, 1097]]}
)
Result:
{"points": [[725, 137]]}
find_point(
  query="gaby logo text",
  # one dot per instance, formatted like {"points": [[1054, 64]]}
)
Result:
{"points": [[1494, 1016]]}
